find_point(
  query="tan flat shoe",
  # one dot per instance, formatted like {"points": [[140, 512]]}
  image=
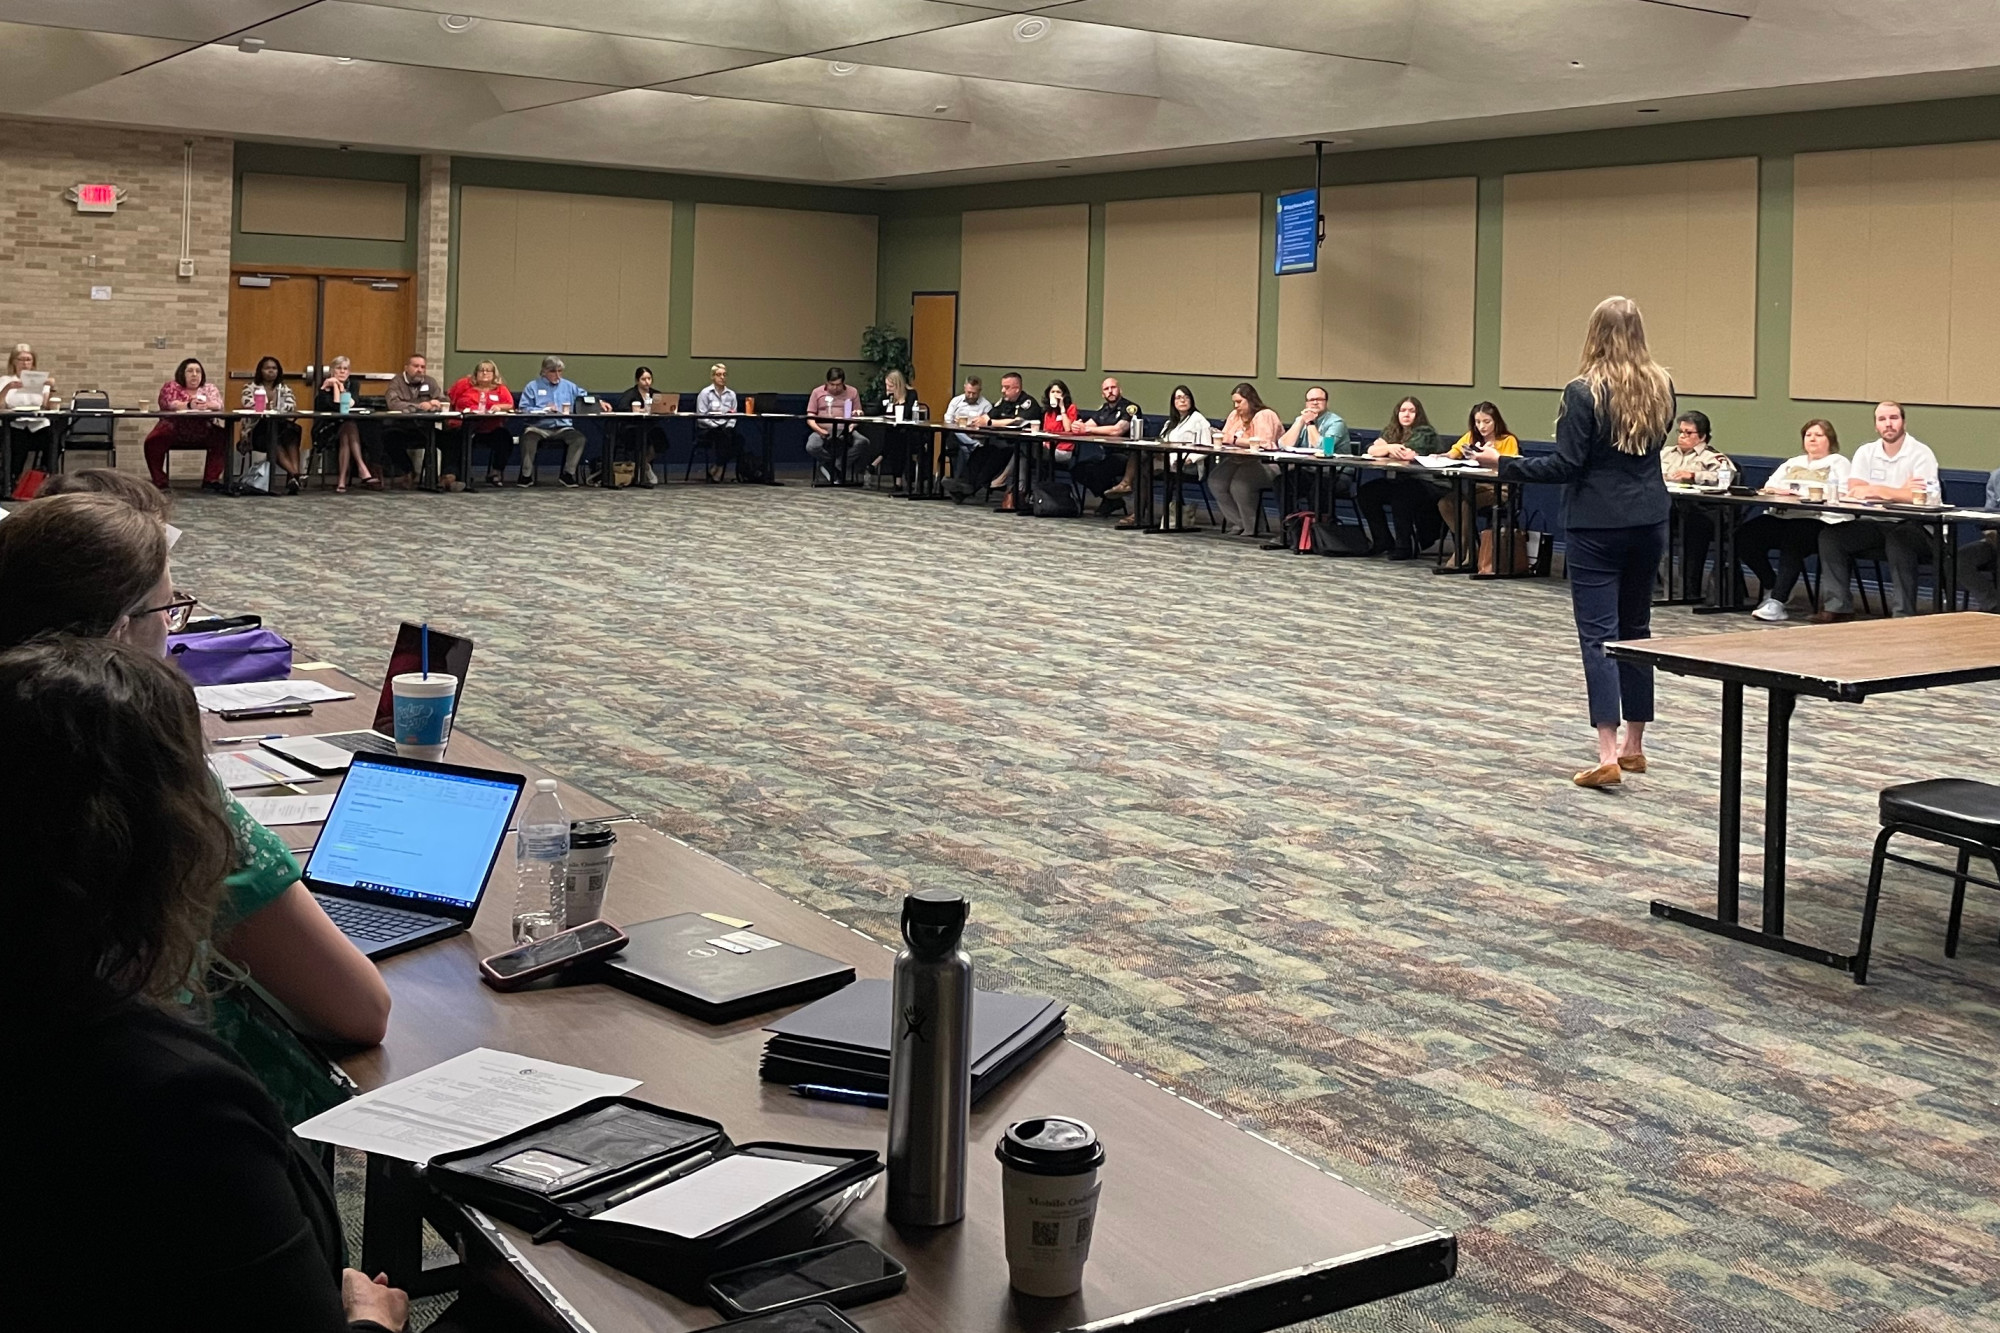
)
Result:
{"points": [[1632, 763], [1604, 775]]}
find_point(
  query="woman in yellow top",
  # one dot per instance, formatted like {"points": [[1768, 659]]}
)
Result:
{"points": [[1485, 428]]}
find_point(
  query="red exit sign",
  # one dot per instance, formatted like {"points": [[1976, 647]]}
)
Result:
{"points": [[96, 198]]}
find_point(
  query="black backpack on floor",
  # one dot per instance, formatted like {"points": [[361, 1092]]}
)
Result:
{"points": [[1055, 501]]}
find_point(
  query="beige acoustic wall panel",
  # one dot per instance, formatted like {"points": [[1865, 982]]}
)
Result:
{"points": [[570, 274], [1180, 284], [782, 282], [1023, 297], [323, 206], [1680, 238], [1394, 295], [1896, 276]]}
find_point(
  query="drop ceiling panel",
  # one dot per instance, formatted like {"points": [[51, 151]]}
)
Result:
{"points": [[1108, 84]]}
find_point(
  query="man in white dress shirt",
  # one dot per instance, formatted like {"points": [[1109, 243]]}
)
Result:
{"points": [[1895, 467], [966, 410], [718, 430]]}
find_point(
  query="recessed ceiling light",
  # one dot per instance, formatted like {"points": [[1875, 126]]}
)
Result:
{"points": [[1031, 30], [456, 23], [1576, 64], [343, 60], [250, 46], [840, 69]]}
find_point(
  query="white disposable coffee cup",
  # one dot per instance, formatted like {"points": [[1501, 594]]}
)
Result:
{"points": [[421, 713], [1048, 1191]]}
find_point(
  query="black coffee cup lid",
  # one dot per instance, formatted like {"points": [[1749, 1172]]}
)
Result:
{"points": [[591, 833], [1050, 1146]]}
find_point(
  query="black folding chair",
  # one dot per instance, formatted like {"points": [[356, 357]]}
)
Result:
{"points": [[1956, 812]]}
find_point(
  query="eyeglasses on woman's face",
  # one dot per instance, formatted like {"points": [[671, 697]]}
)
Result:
{"points": [[177, 612]]}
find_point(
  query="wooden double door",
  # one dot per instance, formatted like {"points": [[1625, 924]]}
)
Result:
{"points": [[306, 317]]}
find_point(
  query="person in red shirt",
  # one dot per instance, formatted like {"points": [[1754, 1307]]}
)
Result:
{"points": [[484, 391], [189, 392]]}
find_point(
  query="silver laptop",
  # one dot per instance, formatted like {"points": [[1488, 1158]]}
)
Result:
{"points": [[406, 850], [328, 752]]}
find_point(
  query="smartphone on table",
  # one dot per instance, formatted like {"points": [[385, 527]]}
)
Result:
{"points": [[852, 1272], [530, 962]]}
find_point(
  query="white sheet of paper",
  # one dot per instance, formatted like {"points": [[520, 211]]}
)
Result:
{"points": [[273, 811], [468, 1100], [265, 694], [1443, 461], [240, 769], [715, 1196]]}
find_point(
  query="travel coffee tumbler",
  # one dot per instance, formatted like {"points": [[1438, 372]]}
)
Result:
{"points": [[591, 845], [1048, 1191]]}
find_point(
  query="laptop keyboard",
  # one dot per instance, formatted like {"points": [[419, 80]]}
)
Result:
{"points": [[374, 742], [365, 921]]}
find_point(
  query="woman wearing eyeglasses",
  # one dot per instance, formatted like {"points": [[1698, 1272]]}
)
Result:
{"points": [[95, 566]]}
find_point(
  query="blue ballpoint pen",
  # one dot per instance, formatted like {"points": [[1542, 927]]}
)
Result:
{"points": [[825, 1092]]}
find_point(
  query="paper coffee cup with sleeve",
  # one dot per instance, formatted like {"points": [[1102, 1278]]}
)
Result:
{"points": [[1048, 1190]]}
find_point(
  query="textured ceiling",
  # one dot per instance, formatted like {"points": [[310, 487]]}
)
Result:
{"points": [[910, 92]]}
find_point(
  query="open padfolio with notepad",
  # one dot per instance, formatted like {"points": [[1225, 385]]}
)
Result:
{"points": [[666, 1196]]}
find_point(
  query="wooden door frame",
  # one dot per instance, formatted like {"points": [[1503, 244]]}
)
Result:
{"points": [[957, 312]]}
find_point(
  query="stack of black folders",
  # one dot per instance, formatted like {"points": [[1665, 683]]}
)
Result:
{"points": [[842, 1041]]}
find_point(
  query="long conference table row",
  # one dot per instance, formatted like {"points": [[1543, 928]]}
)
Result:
{"points": [[1203, 1227], [1305, 480]]}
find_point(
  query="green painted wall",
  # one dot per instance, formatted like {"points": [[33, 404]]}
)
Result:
{"points": [[679, 369], [324, 251], [921, 252]]}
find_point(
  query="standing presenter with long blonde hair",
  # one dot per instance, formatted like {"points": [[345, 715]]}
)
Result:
{"points": [[1614, 419]]}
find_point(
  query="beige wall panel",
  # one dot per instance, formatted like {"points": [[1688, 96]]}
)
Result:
{"points": [[1895, 275], [782, 283], [1023, 283], [1909, 275], [610, 294], [1393, 298], [1678, 238], [323, 206], [1974, 364], [1180, 284], [1830, 201]]}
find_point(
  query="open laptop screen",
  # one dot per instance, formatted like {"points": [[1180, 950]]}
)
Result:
{"points": [[449, 653], [423, 833]]}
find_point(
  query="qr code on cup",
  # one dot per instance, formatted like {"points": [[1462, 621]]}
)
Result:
{"points": [[1045, 1233]]}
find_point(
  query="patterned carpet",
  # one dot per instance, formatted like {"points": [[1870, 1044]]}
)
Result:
{"points": [[1294, 836]]}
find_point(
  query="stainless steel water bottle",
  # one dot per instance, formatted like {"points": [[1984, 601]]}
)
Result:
{"points": [[930, 1063]]}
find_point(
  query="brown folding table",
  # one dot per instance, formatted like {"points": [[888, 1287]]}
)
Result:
{"points": [[1845, 663], [1203, 1228]]}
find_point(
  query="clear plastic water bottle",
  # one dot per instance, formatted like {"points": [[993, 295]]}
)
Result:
{"points": [[541, 859]]}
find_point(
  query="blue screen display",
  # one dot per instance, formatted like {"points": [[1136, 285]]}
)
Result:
{"points": [[412, 833], [1298, 232]]}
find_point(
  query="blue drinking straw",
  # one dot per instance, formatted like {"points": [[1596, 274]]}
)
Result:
{"points": [[426, 639]]}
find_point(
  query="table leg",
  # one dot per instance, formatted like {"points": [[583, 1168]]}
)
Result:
{"points": [[1142, 493], [1465, 501], [1944, 589], [1728, 583], [1777, 773]]}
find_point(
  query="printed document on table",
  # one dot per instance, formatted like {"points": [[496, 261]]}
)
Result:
{"points": [[273, 811], [466, 1101], [245, 769], [715, 1196], [265, 694], [1443, 461]]}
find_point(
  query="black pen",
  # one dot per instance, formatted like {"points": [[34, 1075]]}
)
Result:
{"points": [[686, 1166], [826, 1092]]}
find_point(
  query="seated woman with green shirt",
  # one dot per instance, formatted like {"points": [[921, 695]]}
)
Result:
{"points": [[1408, 436], [93, 566]]}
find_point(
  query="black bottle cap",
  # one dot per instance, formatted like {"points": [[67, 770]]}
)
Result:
{"points": [[1050, 1146], [933, 921], [590, 833]]}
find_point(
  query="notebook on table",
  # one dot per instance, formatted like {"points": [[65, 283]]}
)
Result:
{"points": [[694, 964], [405, 852], [328, 752], [843, 1040]]}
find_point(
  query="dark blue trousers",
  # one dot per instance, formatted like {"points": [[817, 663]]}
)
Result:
{"points": [[1611, 572]]}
